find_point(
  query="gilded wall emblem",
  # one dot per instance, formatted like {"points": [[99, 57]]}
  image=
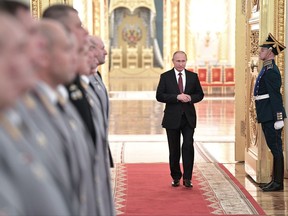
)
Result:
{"points": [[132, 34]]}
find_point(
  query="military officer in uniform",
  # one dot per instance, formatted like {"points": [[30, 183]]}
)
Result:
{"points": [[98, 85], [80, 95], [27, 188], [65, 118], [269, 108]]}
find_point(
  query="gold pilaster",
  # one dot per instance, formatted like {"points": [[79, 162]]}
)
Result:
{"points": [[38, 6], [96, 17], [100, 17], [167, 33], [85, 11], [174, 26], [190, 47], [240, 67], [280, 23], [279, 32], [182, 23]]}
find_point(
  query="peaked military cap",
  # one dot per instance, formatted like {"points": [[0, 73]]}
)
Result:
{"points": [[273, 44]]}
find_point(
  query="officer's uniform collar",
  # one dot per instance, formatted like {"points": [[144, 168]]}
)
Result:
{"points": [[51, 94], [268, 62], [13, 117], [63, 92], [85, 79]]}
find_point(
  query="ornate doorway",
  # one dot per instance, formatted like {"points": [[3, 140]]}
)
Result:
{"points": [[262, 19]]}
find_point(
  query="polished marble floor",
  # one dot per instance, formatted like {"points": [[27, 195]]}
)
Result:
{"points": [[135, 121]]}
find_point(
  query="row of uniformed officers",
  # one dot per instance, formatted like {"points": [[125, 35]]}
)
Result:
{"points": [[54, 152]]}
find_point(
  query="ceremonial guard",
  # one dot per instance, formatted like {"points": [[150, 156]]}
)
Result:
{"points": [[269, 108]]}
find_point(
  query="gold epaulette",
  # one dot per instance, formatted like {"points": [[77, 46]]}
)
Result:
{"points": [[29, 101], [84, 84], [47, 104], [13, 131], [61, 100]]}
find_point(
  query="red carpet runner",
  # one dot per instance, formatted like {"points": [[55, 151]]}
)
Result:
{"points": [[145, 190]]}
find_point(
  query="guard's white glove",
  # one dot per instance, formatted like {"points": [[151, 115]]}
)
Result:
{"points": [[278, 125]]}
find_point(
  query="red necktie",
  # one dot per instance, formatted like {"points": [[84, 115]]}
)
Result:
{"points": [[180, 83]]}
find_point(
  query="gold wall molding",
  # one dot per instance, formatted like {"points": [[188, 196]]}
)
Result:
{"points": [[240, 77], [253, 124], [96, 17], [254, 37], [243, 7], [84, 8], [190, 38], [174, 26], [166, 32], [101, 19], [132, 4], [279, 32], [35, 8], [100, 16], [279, 28], [253, 54], [171, 30], [38, 6]]}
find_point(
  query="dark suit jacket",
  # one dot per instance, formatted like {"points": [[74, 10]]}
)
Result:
{"points": [[167, 92], [270, 83]]}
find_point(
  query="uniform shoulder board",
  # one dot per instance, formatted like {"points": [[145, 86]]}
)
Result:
{"points": [[268, 65], [29, 101]]}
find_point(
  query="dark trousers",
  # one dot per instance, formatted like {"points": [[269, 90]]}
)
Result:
{"points": [[174, 136], [274, 142], [273, 138]]}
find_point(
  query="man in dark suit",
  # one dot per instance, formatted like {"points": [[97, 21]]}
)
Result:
{"points": [[180, 89], [269, 108]]}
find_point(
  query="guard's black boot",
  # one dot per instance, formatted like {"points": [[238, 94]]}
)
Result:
{"points": [[266, 185], [273, 187], [277, 184], [272, 179]]}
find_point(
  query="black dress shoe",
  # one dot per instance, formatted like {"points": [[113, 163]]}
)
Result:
{"points": [[175, 183], [187, 183], [273, 187], [265, 185]]}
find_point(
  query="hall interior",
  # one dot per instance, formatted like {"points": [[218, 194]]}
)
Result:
{"points": [[135, 125], [228, 38]]}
